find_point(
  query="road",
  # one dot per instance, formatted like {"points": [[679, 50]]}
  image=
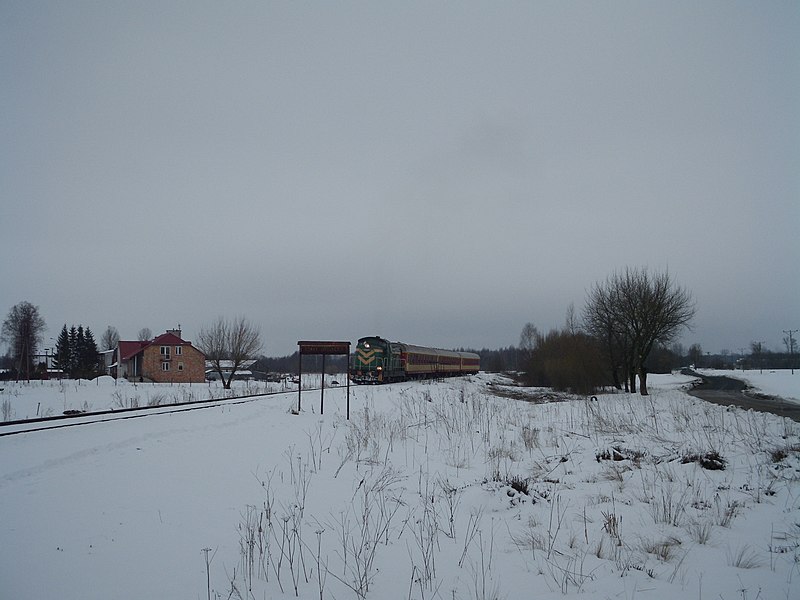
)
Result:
{"points": [[728, 391]]}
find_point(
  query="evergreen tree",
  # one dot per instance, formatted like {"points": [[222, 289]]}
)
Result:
{"points": [[90, 355], [61, 360], [76, 352], [80, 352], [73, 351]]}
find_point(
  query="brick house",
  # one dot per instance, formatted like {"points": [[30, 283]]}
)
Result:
{"points": [[165, 359]]}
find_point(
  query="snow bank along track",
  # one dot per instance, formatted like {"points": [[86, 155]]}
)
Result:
{"points": [[104, 416]]}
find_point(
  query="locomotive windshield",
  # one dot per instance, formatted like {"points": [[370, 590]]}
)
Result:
{"points": [[371, 342]]}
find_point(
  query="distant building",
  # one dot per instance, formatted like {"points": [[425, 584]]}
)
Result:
{"points": [[165, 359], [242, 373], [45, 365]]}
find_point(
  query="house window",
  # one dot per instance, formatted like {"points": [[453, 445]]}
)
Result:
{"points": [[180, 366], [178, 350], [165, 366], [165, 352]]}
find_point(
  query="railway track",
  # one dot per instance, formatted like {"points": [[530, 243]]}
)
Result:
{"points": [[8, 428]]}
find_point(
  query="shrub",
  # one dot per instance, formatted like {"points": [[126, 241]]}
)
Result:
{"points": [[567, 362], [782, 452], [7, 411], [711, 460], [521, 484]]}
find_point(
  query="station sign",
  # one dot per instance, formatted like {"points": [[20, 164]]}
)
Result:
{"points": [[320, 347]]}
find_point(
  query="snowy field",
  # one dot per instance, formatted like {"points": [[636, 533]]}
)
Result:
{"points": [[32, 399], [468, 488]]}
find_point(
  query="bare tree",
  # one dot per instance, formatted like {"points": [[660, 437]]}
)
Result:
{"points": [[634, 310], [528, 340], [145, 335], [22, 330], [571, 324], [789, 341], [695, 355], [528, 337], [228, 344], [110, 338], [791, 345], [602, 322]]}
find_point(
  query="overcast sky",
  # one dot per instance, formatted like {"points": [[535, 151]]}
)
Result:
{"points": [[436, 173]]}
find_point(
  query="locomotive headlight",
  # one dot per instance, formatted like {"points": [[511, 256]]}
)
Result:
{"points": [[366, 344], [379, 369]]}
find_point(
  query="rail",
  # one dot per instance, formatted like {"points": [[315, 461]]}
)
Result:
{"points": [[105, 416]]}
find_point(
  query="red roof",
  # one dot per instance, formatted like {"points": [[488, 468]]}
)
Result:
{"points": [[128, 350], [169, 339]]}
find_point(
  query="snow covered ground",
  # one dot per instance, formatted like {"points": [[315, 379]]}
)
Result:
{"points": [[31, 399], [467, 488]]}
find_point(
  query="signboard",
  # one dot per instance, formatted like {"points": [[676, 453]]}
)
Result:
{"points": [[324, 347]]}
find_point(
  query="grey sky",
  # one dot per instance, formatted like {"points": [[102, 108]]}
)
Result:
{"points": [[439, 173]]}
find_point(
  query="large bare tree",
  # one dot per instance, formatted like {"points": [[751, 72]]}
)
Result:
{"points": [[633, 310], [601, 320], [22, 330], [227, 344]]}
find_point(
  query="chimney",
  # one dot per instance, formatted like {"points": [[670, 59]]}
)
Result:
{"points": [[176, 331]]}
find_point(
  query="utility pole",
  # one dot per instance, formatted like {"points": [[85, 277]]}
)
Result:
{"points": [[790, 332]]}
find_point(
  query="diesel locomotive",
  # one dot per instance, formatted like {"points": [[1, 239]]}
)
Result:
{"points": [[378, 360]]}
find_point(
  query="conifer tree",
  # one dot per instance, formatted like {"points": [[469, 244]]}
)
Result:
{"points": [[90, 356], [76, 352], [80, 353], [61, 360], [73, 351]]}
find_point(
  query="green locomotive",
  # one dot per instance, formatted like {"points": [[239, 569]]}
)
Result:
{"points": [[378, 360]]}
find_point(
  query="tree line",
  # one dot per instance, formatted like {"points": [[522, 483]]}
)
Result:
{"points": [[628, 323], [76, 353], [627, 329]]}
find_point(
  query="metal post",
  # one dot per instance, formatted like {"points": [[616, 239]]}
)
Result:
{"points": [[348, 382], [324, 348], [299, 378], [322, 388]]}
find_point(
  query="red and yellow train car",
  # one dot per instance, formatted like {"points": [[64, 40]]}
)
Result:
{"points": [[377, 360]]}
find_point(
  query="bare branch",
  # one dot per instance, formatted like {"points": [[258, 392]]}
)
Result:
{"points": [[228, 344], [634, 310]]}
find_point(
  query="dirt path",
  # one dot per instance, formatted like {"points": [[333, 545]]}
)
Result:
{"points": [[728, 391]]}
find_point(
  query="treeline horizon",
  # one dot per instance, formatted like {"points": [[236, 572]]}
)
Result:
{"points": [[512, 359], [629, 327]]}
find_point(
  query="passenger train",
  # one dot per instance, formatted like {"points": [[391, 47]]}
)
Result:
{"points": [[378, 360]]}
